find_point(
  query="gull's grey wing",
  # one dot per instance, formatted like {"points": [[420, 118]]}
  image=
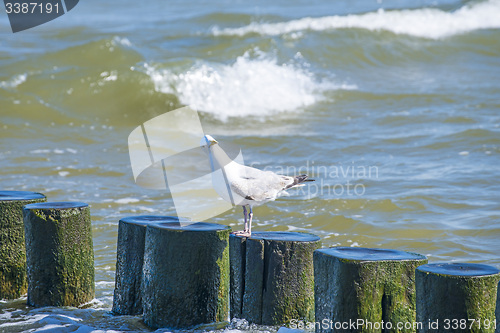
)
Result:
{"points": [[258, 185]]}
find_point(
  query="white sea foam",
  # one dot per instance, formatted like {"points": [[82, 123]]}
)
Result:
{"points": [[59, 318], [53, 328], [53, 322], [290, 330], [23, 320], [14, 81], [248, 87], [105, 284], [126, 200], [146, 209], [426, 22], [40, 151], [121, 40], [294, 228]]}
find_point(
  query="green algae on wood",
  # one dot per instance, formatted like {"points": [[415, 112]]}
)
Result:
{"points": [[497, 311], [272, 277], [373, 285], [127, 299], [59, 253], [459, 297], [12, 249], [185, 279]]}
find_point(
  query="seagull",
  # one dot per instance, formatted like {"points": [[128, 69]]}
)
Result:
{"points": [[245, 186]]}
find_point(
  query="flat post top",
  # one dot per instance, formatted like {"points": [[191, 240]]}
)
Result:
{"points": [[144, 220], [285, 236], [56, 205], [189, 226], [369, 254], [459, 269], [20, 195]]}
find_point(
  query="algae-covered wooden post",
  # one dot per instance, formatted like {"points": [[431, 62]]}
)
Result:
{"points": [[457, 297], [59, 253], [497, 311], [185, 274], [127, 298], [272, 277], [372, 288], [12, 251]]}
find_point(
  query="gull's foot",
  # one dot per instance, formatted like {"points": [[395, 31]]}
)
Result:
{"points": [[243, 233]]}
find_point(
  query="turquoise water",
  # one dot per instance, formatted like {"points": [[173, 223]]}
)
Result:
{"points": [[392, 106]]}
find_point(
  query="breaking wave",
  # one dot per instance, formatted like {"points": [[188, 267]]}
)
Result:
{"points": [[425, 22], [248, 87]]}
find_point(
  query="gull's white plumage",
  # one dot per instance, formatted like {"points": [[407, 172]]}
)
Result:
{"points": [[242, 185]]}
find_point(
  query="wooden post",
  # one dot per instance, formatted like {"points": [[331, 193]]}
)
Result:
{"points": [[457, 297], [127, 298], [12, 251], [185, 275], [497, 311], [365, 286], [59, 253], [272, 277]]}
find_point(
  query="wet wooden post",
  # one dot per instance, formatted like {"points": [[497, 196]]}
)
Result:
{"points": [[185, 275], [355, 284], [127, 298], [12, 251], [458, 297], [59, 253], [497, 311], [272, 277]]}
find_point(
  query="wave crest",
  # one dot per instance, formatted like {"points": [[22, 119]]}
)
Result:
{"points": [[248, 87], [426, 22]]}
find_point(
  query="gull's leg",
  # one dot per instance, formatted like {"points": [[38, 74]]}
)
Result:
{"points": [[246, 218], [244, 232], [250, 222]]}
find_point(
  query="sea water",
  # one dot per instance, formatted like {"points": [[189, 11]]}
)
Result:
{"points": [[392, 106]]}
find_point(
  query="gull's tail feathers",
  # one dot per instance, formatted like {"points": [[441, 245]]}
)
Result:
{"points": [[298, 180]]}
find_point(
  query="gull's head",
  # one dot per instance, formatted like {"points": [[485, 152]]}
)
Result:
{"points": [[207, 141]]}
